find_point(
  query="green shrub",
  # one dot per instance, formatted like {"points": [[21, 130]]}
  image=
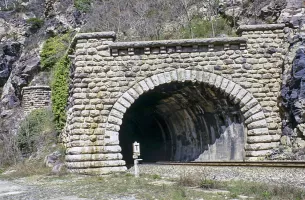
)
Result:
{"points": [[36, 23], [60, 90], [82, 5], [53, 49], [33, 129], [208, 28]]}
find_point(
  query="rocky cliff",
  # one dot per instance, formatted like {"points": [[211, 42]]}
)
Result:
{"points": [[24, 26]]}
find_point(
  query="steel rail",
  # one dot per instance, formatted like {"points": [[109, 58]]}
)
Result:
{"points": [[290, 164]]}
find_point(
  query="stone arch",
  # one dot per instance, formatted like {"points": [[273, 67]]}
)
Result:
{"points": [[251, 109]]}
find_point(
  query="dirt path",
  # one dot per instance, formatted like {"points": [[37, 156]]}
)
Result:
{"points": [[8, 189], [16, 191]]}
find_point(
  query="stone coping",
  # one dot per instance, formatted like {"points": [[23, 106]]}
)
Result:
{"points": [[37, 87], [95, 35], [182, 42], [260, 27]]}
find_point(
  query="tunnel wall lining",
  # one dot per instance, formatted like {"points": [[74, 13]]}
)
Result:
{"points": [[104, 71]]}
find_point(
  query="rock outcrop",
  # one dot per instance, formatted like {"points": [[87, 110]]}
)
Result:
{"points": [[293, 96], [20, 46]]}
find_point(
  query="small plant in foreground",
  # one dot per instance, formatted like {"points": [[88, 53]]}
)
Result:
{"points": [[187, 180], [179, 193], [156, 176], [233, 195], [266, 195], [208, 184], [129, 175]]}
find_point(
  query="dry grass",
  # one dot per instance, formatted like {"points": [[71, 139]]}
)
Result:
{"points": [[25, 169], [9, 152], [23, 154], [193, 180], [265, 191], [260, 191]]}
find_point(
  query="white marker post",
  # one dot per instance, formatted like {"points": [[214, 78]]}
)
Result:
{"points": [[136, 154]]}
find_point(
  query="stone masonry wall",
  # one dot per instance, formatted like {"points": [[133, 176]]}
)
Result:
{"points": [[109, 76], [35, 97], [266, 50]]}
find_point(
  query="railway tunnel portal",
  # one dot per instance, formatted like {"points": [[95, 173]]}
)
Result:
{"points": [[183, 100], [183, 121]]}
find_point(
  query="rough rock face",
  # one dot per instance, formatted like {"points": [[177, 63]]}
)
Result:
{"points": [[11, 53], [293, 14], [19, 59], [252, 12], [262, 12], [293, 99], [19, 53], [293, 93], [293, 88]]}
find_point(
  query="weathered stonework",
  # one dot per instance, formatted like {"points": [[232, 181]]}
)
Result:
{"points": [[35, 97], [108, 77]]}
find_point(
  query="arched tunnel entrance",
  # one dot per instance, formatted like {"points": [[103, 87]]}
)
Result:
{"points": [[183, 122]]}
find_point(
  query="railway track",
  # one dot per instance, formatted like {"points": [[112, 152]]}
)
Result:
{"points": [[290, 164]]}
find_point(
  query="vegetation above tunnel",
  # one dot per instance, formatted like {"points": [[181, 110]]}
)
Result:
{"points": [[157, 20]]}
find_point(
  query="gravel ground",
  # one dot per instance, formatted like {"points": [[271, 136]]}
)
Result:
{"points": [[271, 175], [81, 187], [125, 187]]}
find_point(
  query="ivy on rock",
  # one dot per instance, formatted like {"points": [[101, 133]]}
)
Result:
{"points": [[54, 58], [60, 91]]}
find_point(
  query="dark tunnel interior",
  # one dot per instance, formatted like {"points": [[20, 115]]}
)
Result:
{"points": [[183, 122]]}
